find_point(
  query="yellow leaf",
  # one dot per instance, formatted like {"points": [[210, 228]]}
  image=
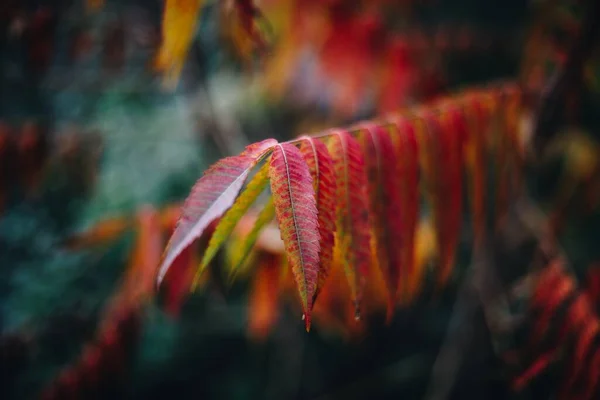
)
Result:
{"points": [[179, 23]]}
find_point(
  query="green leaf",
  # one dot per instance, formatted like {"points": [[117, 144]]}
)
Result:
{"points": [[243, 250], [226, 225]]}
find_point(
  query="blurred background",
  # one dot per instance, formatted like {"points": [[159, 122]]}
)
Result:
{"points": [[99, 134]]}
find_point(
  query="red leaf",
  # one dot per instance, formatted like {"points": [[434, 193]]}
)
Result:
{"points": [[178, 282], [535, 369], [553, 288], [352, 225], [583, 346], [452, 135], [385, 206], [296, 210], [210, 197], [593, 284], [399, 75], [443, 174], [408, 173], [319, 162], [477, 141]]}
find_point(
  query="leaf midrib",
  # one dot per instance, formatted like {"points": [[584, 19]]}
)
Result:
{"points": [[287, 171]]}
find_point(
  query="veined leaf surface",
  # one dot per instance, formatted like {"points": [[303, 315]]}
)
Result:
{"points": [[319, 162], [352, 221], [436, 164], [226, 225], [386, 216], [210, 197], [407, 171], [296, 210], [177, 282], [265, 216]]}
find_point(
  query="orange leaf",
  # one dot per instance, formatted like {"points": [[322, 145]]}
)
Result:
{"points": [[264, 296], [180, 18]]}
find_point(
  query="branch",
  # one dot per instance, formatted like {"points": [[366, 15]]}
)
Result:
{"points": [[552, 100], [524, 238]]}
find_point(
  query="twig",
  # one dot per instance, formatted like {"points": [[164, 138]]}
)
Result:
{"points": [[480, 277], [549, 112], [458, 336], [485, 285]]}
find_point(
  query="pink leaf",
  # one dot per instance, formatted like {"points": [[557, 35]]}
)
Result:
{"points": [[296, 210], [210, 197]]}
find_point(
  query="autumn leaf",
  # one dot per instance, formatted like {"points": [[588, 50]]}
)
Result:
{"points": [[436, 175], [146, 255], [452, 135], [477, 120], [228, 222], [352, 221], [245, 246], [334, 312], [385, 203], [404, 137], [180, 18], [296, 210], [263, 304], [319, 162], [100, 234], [210, 197], [354, 193]]}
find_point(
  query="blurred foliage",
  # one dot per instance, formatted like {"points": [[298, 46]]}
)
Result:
{"points": [[59, 68]]}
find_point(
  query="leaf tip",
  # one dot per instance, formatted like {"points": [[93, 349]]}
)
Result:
{"points": [[307, 321]]}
